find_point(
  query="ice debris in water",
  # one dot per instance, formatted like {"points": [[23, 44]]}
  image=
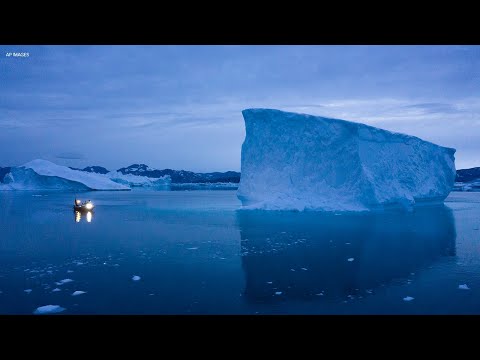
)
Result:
{"points": [[56, 289], [28, 291], [78, 292], [269, 282], [278, 293], [192, 248], [136, 278], [48, 309], [64, 281], [304, 269], [350, 259], [408, 298], [463, 287]]}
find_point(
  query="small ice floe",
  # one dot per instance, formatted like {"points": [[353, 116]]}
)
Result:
{"points": [[278, 293], [64, 281], [463, 287], [56, 289], [151, 294], [269, 282], [320, 294], [292, 269], [192, 248], [408, 298], [28, 291], [136, 277], [69, 271], [78, 263], [37, 195], [283, 232], [369, 291], [304, 269], [48, 309], [78, 292], [412, 274], [350, 259]]}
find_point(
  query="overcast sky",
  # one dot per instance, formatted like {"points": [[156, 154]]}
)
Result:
{"points": [[180, 106]]}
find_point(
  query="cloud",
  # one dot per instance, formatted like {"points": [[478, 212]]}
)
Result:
{"points": [[70, 156], [434, 108]]}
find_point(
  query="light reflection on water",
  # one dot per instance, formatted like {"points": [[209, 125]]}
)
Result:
{"points": [[79, 215]]}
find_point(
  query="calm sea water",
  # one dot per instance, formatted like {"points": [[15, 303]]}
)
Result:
{"points": [[196, 254]]}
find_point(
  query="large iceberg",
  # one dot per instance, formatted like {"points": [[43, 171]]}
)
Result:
{"points": [[45, 175], [302, 162]]}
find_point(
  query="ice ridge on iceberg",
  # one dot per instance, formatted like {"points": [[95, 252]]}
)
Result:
{"points": [[301, 162]]}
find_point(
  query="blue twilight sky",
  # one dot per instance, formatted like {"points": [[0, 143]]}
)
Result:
{"points": [[180, 106]]}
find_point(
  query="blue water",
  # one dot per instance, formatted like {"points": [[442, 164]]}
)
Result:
{"points": [[196, 254]]}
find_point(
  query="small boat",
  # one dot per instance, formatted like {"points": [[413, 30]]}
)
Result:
{"points": [[83, 207]]}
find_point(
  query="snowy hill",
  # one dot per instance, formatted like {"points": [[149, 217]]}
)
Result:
{"points": [[467, 175], [302, 162], [93, 169], [182, 176]]}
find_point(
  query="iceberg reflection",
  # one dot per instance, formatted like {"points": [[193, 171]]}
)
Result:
{"points": [[310, 254]]}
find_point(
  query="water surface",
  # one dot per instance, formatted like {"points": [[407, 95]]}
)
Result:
{"points": [[196, 254]]}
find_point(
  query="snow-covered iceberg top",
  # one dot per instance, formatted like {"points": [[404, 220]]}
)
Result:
{"points": [[43, 174], [302, 162]]}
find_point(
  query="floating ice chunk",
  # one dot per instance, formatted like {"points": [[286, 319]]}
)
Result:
{"points": [[69, 271], [350, 259], [78, 292], [48, 309], [28, 291], [320, 294], [192, 248], [463, 287], [79, 263], [269, 282], [304, 269], [41, 174], [136, 278], [278, 293], [64, 281], [56, 289], [292, 269], [408, 298]]}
